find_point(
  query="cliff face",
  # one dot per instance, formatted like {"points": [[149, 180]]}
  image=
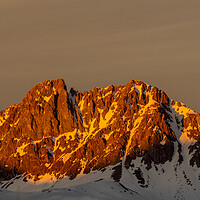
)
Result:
{"points": [[59, 133]]}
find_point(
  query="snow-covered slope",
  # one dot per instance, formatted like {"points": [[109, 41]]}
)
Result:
{"points": [[99, 190], [168, 181]]}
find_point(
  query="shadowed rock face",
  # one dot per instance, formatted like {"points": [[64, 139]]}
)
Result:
{"points": [[59, 133]]}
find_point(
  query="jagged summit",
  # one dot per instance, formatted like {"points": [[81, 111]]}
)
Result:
{"points": [[54, 133]]}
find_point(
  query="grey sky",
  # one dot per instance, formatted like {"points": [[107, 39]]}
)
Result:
{"points": [[92, 43]]}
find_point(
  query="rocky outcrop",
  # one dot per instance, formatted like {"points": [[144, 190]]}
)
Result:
{"points": [[62, 133]]}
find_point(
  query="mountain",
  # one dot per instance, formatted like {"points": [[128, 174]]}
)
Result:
{"points": [[131, 138]]}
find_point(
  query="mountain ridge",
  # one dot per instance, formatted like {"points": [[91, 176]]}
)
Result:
{"points": [[53, 133]]}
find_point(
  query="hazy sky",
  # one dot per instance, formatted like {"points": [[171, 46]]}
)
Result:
{"points": [[92, 43]]}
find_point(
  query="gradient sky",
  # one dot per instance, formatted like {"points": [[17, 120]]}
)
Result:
{"points": [[92, 43]]}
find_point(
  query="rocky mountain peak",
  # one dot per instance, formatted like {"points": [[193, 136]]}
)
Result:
{"points": [[57, 133]]}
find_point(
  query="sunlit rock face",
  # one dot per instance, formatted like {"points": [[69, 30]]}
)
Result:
{"points": [[57, 133]]}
